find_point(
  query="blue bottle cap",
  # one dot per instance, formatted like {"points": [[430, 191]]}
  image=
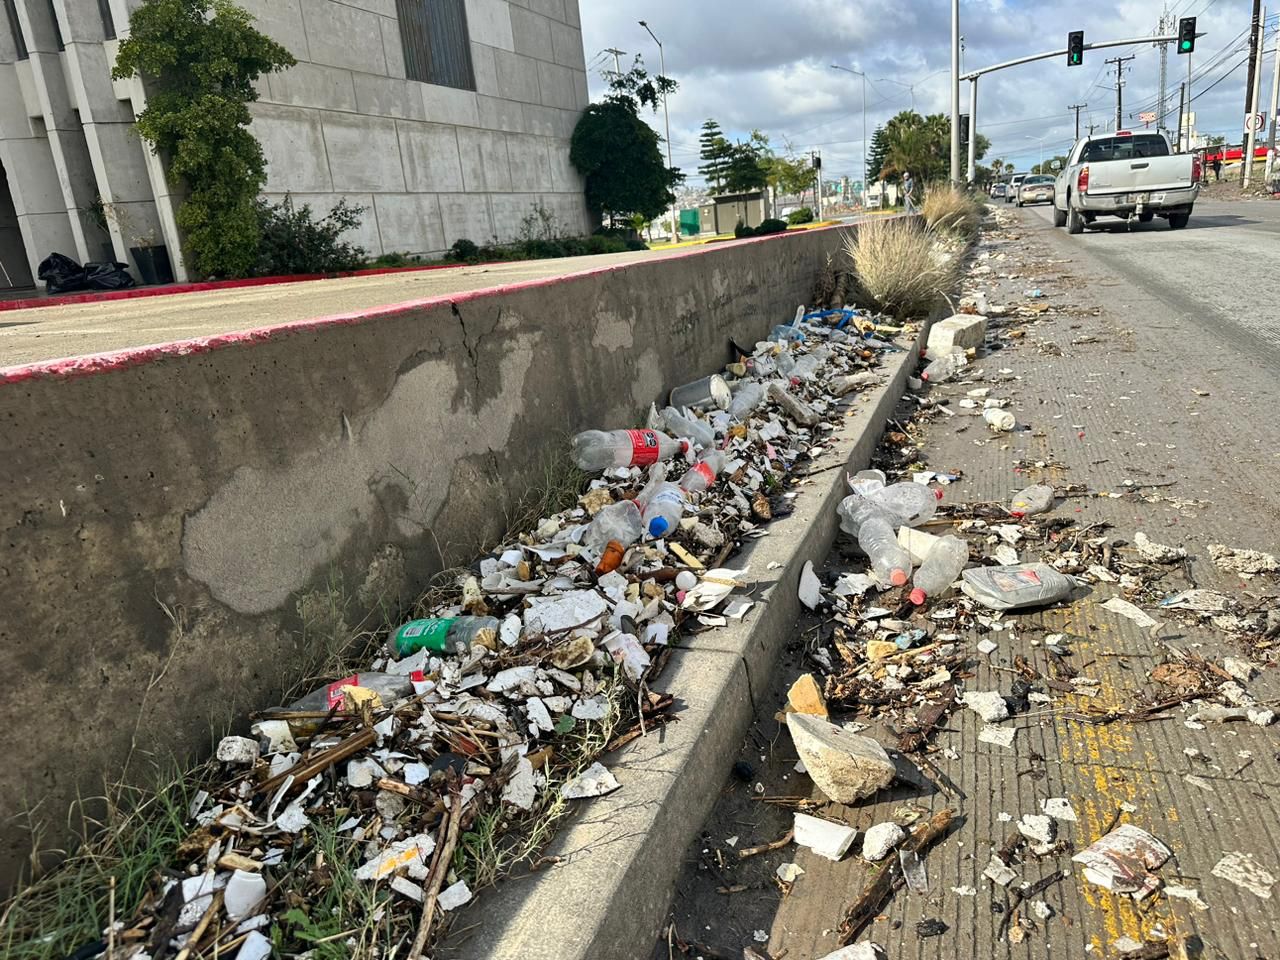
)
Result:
{"points": [[658, 526]]}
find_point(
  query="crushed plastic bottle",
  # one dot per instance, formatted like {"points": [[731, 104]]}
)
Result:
{"points": [[442, 635], [807, 367], [867, 481], [620, 522], [697, 432], [872, 527], [940, 569], [746, 399], [786, 333], [1017, 586], [703, 473], [661, 503], [911, 504], [596, 450], [1035, 499], [390, 688], [945, 367], [1000, 421]]}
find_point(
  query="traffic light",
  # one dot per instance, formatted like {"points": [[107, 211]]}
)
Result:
{"points": [[1186, 34], [1075, 48], [964, 129]]}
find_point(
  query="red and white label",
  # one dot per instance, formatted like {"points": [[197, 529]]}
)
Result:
{"points": [[703, 469], [644, 447], [334, 691]]}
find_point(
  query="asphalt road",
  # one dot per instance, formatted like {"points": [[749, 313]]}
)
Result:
{"points": [[1222, 272]]}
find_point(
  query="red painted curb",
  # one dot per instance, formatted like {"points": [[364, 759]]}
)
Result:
{"points": [[95, 363]]}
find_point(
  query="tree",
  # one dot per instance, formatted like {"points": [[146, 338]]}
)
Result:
{"points": [[618, 153], [1049, 165], [202, 60], [714, 151], [922, 146], [790, 175], [878, 154], [749, 164]]}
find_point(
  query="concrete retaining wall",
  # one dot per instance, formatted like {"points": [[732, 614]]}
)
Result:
{"points": [[185, 526]]}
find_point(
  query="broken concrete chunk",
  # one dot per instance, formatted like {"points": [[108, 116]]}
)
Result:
{"points": [[451, 898], [595, 781], [845, 766], [857, 951], [1059, 808], [1038, 827], [413, 854], [879, 841], [963, 330], [989, 705], [805, 696], [238, 750], [1153, 552], [1246, 873], [1244, 562], [999, 872], [823, 837]]}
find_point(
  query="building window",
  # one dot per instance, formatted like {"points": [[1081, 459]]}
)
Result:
{"points": [[15, 29], [437, 45], [108, 24]]}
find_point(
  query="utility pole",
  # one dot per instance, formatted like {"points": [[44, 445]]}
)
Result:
{"points": [[1162, 107], [1120, 62], [617, 62], [1182, 110], [1077, 107], [666, 117], [1275, 105], [955, 91], [1254, 96], [1255, 43]]}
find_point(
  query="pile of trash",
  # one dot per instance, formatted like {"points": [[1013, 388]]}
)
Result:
{"points": [[494, 710]]}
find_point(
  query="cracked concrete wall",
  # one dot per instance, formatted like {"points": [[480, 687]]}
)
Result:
{"points": [[185, 535]]}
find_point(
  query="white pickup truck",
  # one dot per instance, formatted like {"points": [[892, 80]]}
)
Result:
{"points": [[1126, 175]]}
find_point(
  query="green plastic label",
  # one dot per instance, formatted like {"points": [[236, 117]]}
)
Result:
{"points": [[428, 634]]}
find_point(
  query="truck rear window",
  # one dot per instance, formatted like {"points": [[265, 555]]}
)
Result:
{"points": [[1124, 148]]}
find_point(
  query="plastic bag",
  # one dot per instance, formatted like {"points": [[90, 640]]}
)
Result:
{"points": [[108, 276], [1016, 586], [61, 274]]}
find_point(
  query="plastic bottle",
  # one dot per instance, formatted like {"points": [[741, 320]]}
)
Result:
{"points": [[911, 504], [1035, 499], [806, 367], [442, 635], [595, 450], [1000, 421], [1016, 586], [940, 569], [662, 509], [388, 687], [944, 368], [703, 473], [746, 399], [873, 529], [785, 332], [868, 481], [785, 364], [698, 432], [620, 522]]}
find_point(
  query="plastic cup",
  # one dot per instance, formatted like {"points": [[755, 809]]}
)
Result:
{"points": [[703, 394]]}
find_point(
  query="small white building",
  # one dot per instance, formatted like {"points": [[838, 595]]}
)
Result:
{"points": [[444, 118]]}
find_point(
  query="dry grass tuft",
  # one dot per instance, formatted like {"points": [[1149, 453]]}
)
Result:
{"points": [[901, 267], [949, 210]]}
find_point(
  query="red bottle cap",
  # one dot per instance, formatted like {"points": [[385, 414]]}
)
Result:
{"points": [[918, 597], [898, 578]]}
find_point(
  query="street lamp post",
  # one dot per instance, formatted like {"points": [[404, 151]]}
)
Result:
{"points": [[910, 87], [1041, 140], [865, 172], [666, 116]]}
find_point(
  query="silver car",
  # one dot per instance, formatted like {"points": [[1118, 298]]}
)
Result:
{"points": [[1036, 189], [1012, 192]]}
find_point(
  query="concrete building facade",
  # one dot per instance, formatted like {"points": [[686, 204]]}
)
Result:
{"points": [[444, 119]]}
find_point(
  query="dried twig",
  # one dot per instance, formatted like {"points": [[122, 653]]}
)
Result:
{"points": [[449, 831], [766, 847]]}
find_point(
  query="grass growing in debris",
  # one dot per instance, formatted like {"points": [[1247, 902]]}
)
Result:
{"points": [[136, 836], [902, 268], [953, 211]]}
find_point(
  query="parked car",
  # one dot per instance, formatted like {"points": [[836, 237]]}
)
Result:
{"points": [[999, 190], [1126, 175], [1014, 182], [1037, 189]]}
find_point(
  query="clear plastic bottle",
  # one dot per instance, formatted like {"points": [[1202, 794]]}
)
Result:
{"points": [[1035, 499], [873, 529], [387, 686], [703, 473], [619, 522], [941, 568], [806, 368], [595, 450], [698, 432], [1017, 586], [868, 481], [663, 506], [910, 503], [746, 399], [945, 367], [440, 635]]}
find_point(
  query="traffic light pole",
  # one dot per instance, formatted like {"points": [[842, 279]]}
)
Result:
{"points": [[973, 126]]}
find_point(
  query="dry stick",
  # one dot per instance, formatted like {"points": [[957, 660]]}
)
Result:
{"points": [[309, 768], [451, 829], [766, 847], [214, 906], [890, 878], [111, 921]]}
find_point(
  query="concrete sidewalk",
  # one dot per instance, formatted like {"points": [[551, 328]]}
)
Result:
{"points": [[1128, 399]]}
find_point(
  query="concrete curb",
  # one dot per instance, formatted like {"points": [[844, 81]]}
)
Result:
{"points": [[619, 859]]}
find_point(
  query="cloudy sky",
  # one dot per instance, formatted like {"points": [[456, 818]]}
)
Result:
{"points": [[767, 65]]}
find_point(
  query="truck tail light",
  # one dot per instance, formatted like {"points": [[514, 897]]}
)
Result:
{"points": [[1196, 168], [1082, 182]]}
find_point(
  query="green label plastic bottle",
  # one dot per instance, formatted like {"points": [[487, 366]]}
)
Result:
{"points": [[419, 634]]}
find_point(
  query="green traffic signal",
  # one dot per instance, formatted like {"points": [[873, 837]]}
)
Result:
{"points": [[1186, 35], [1186, 44]]}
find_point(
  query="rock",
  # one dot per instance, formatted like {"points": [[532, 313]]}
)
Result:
{"points": [[806, 697], [879, 841], [857, 951], [238, 750], [963, 330], [845, 766], [1242, 670], [1037, 827], [1245, 562], [990, 706], [1153, 552], [879, 649]]}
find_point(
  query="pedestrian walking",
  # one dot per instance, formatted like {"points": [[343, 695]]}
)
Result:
{"points": [[1217, 168], [908, 188]]}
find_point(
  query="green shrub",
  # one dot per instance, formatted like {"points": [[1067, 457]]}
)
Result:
{"points": [[396, 259], [463, 251], [772, 225], [294, 241], [742, 230], [803, 215]]}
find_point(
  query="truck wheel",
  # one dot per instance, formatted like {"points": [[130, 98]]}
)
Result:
{"points": [[1178, 220], [1146, 217], [1059, 217], [1075, 222]]}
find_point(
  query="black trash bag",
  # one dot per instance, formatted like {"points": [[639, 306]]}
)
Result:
{"points": [[108, 276], [62, 274]]}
